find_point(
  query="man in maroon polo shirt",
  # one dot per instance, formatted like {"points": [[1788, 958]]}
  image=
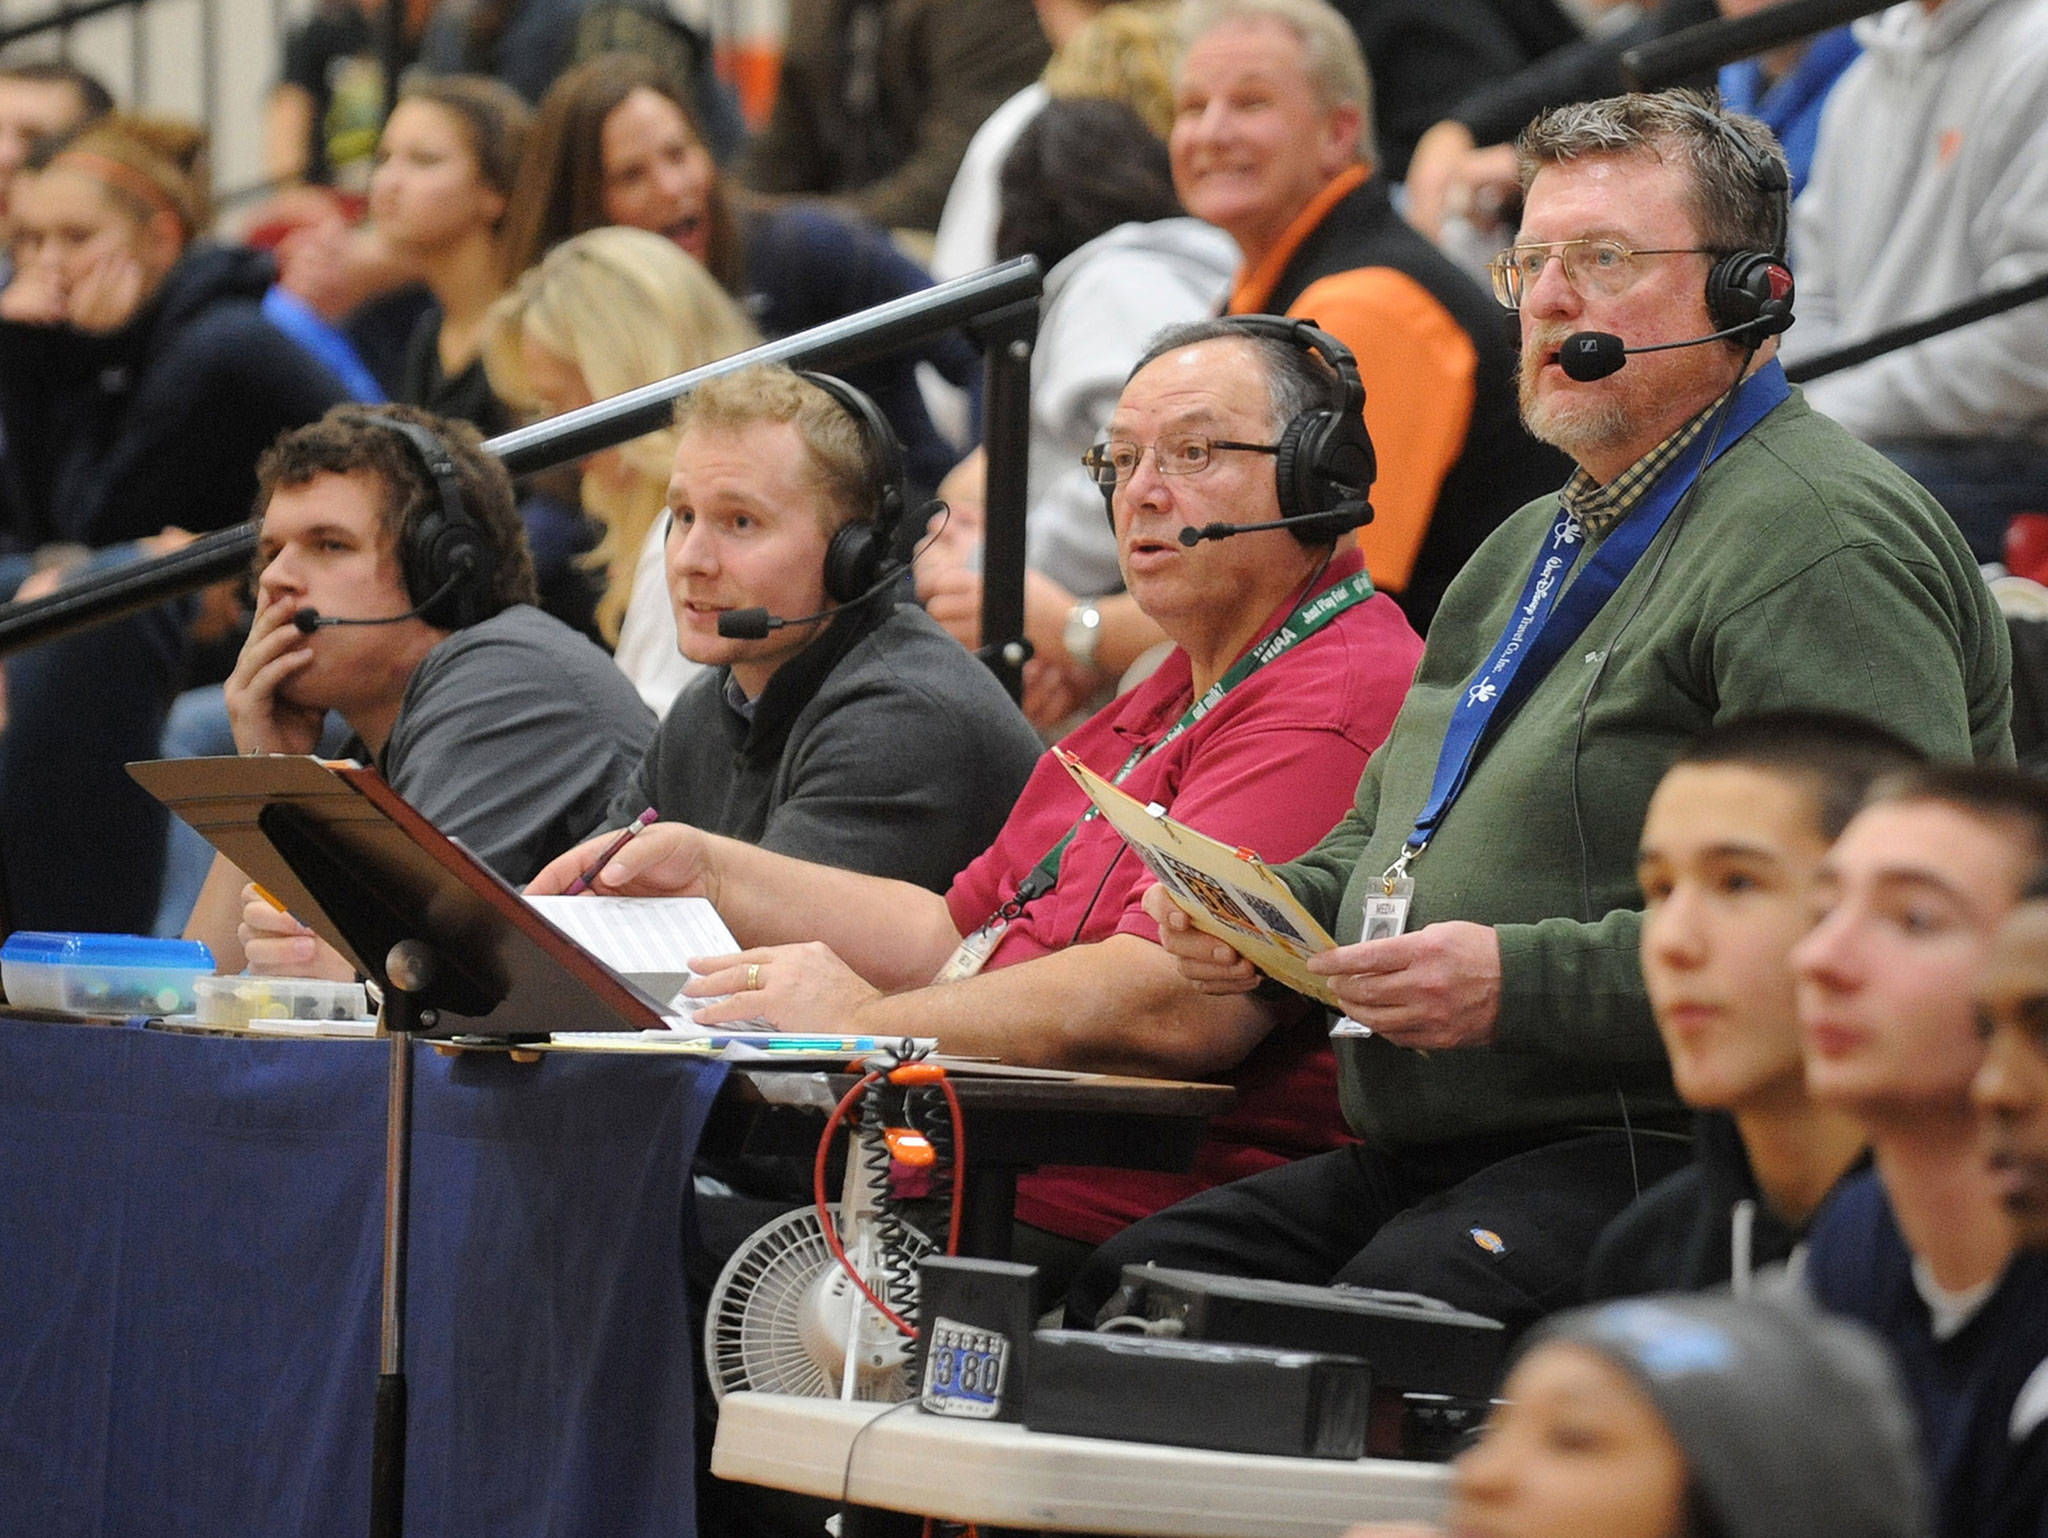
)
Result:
{"points": [[1048, 959]]}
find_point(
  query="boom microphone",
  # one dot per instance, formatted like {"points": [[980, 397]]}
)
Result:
{"points": [[754, 624], [309, 619], [1589, 355], [1340, 519]]}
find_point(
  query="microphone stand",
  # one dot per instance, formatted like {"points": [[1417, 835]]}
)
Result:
{"points": [[1007, 337], [414, 962]]}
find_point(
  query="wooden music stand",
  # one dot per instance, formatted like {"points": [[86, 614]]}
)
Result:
{"points": [[351, 858]]}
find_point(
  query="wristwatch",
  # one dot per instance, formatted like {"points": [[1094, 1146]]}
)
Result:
{"points": [[1082, 633]]}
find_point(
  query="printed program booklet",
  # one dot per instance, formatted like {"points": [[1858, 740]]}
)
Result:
{"points": [[1229, 892]]}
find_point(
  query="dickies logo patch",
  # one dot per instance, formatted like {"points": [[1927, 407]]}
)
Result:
{"points": [[1489, 1241]]}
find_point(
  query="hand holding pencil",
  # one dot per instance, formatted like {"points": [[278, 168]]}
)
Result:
{"points": [[666, 859], [278, 945], [582, 883]]}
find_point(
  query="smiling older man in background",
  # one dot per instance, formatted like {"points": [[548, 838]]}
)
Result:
{"points": [[1273, 142]]}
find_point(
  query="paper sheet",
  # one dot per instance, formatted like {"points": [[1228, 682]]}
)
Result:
{"points": [[1227, 892], [640, 934], [647, 939]]}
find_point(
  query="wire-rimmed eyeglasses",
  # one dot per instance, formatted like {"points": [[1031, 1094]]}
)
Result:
{"points": [[1596, 269], [1117, 460]]}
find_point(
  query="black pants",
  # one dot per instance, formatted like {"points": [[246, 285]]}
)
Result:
{"points": [[1498, 1227]]}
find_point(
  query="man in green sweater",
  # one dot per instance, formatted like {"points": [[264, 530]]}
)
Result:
{"points": [[1721, 551]]}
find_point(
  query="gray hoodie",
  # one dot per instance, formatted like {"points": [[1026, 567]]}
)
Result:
{"points": [[1103, 305], [1930, 186]]}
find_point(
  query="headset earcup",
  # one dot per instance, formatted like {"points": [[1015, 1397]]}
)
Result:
{"points": [[858, 550], [442, 549], [1750, 288], [853, 560], [1345, 463], [1326, 458], [1293, 465]]}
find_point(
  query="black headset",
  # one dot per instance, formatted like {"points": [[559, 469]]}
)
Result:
{"points": [[1751, 289], [855, 560], [444, 547], [1325, 457]]}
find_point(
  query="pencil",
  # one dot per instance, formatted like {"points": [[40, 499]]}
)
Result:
{"points": [[582, 883]]}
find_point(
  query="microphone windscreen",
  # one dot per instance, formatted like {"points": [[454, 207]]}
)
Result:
{"points": [[1589, 355], [745, 624], [1192, 536], [306, 621]]}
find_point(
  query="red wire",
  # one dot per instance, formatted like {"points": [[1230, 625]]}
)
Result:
{"points": [[826, 1219], [959, 1162], [829, 1223]]}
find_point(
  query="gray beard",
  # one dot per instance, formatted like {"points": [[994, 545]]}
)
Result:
{"points": [[1570, 426]]}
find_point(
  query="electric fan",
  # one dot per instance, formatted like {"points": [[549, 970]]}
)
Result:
{"points": [[785, 1318]]}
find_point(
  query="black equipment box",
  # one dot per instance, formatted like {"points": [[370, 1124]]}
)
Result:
{"points": [[1414, 1344], [974, 1344], [1243, 1399]]}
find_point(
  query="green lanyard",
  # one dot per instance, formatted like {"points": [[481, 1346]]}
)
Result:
{"points": [[1311, 616]]}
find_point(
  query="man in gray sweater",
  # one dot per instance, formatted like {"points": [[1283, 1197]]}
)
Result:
{"points": [[866, 737], [393, 585]]}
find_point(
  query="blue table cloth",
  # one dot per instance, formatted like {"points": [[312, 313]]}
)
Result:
{"points": [[190, 1249]]}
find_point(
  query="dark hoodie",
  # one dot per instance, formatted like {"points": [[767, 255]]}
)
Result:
{"points": [[1680, 1235], [115, 437]]}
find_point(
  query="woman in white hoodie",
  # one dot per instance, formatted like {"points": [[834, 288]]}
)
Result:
{"points": [[1930, 187], [1087, 190]]}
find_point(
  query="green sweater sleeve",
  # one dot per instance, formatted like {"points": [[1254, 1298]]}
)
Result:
{"points": [[1318, 878]]}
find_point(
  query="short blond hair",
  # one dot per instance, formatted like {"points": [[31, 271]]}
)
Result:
{"points": [[1330, 50], [1129, 54], [844, 465]]}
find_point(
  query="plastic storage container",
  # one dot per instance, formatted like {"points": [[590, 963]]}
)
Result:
{"points": [[87, 974], [235, 1001]]}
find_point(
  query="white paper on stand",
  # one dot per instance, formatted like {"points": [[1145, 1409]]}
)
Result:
{"points": [[648, 939]]}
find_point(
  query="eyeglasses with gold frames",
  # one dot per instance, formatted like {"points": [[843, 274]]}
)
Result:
{"points": [[1596, 269]]}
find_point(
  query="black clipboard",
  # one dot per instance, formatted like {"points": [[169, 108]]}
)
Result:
{"points": [[351, 858]]}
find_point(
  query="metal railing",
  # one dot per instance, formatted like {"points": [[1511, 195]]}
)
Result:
{"points": [[998, 304]]}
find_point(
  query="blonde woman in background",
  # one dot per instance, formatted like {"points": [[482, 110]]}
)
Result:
{"points": [[605, 312]]}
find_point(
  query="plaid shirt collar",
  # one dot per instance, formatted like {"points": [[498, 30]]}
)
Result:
{"points": [[1599, 508]]}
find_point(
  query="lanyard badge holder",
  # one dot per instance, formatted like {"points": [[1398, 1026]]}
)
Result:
{"points": [[1546, 620], [1312, 615]]}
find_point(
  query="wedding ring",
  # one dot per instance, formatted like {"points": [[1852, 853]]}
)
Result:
{"points": [[753, 975]]}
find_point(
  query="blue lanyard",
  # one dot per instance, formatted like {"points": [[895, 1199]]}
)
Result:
{"points": [[1543, 626]]}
